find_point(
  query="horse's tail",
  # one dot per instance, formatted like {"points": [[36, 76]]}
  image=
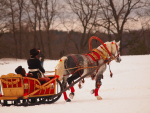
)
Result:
{"points": [[61, 68]]}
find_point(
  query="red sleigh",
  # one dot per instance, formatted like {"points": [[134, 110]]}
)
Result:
{"points": [[16, 87]]}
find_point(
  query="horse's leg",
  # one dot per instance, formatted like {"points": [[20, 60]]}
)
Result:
{"points": [[97, 85], [64, 83], [70, 80], [71, 95]]}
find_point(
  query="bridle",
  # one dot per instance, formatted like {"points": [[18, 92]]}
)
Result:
{"points": [[118, 53]]}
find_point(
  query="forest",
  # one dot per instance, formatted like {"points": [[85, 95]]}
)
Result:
{"points": [[61, 27]]}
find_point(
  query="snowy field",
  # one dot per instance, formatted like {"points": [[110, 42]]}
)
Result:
{"points": [[128, 91]]}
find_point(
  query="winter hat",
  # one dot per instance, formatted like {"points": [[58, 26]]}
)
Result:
{"points": [[18, 69], [34, 52]]}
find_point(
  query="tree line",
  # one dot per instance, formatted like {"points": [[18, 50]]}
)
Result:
{"points": [[60, 27]]}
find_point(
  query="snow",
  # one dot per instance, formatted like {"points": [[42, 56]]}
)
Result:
{"points": [[128, 91]]}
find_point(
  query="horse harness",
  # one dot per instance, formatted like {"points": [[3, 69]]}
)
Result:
{"points": [[95, 55]]}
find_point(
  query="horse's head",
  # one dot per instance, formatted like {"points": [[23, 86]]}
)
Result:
{"points": [[113, 49], [115, 46]]}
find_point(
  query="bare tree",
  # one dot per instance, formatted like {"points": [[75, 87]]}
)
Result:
{"points": [[39, 15], [3, 17], [69, 24], [11, 7], [50, 11], [20, 4], [114, 15], [145, 24], [32, 10], [144, 17], [86, 11]]}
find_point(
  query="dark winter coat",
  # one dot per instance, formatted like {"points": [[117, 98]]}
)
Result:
{"points": [[34, 63]]}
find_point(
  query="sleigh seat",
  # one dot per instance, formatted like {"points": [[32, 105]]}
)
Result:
{"points": [[12, 86]]}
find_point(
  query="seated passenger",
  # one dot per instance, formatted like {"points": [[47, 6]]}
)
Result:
{"points": [[20, 70]]}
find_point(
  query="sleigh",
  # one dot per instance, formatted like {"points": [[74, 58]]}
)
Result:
{"points": [[18, 90]]}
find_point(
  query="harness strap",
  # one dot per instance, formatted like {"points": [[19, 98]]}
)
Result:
{"points": [[95, 54], [100, 54], [78, 66], [96, 38], [77, 63], [90, 63], [92, 76]]}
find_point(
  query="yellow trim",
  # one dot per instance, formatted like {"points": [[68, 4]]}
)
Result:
{"points": [[59, 63], [8, 98], [100, 53], [12, 82], [42, 87]]}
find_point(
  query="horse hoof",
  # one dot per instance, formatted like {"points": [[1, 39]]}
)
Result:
{"points": [[99, 97], [71, 95], [68, 100], [92, 91]]}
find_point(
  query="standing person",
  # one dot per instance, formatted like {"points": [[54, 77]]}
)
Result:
{"points": [[41, 56], [34, 64]]}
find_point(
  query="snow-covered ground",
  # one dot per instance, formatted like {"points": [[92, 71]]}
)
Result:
{"points": [[128, 91]]}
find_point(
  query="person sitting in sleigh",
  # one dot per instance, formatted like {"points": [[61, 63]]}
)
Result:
{"points": [[21, 70]]}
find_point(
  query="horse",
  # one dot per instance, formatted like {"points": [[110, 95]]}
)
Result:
{"points": [[73, 66]]}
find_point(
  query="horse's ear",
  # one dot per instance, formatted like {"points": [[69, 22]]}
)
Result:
{"points": [[118, 43]]}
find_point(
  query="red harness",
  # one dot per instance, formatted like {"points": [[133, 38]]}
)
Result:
{"points": [[94, 55]]}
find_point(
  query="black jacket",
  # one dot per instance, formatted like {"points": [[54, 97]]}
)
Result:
{"points": [[34, 63]]}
